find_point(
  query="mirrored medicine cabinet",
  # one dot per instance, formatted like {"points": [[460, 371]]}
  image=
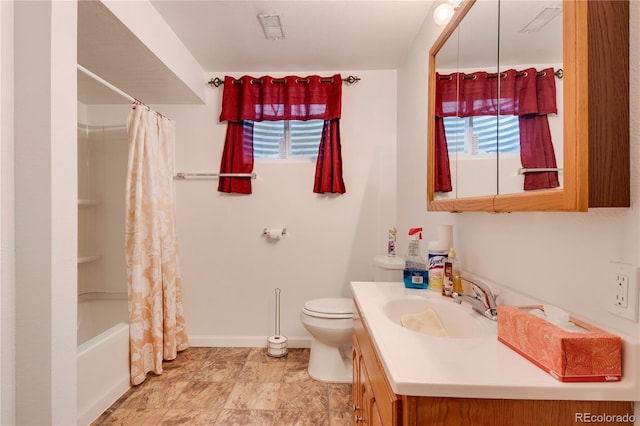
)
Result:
{"points": [[529, 107]]}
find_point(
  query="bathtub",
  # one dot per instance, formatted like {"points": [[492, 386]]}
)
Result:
{"points": [[103, 353]]}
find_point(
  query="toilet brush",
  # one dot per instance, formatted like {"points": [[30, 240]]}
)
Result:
{"points": [[277, 344]]}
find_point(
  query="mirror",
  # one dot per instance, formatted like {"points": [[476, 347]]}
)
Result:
{"points": [[530, 37], [473, 171], [497, 42]]}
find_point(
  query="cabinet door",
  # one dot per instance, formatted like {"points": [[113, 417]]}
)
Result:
{"points": [[357, 390], [374, 415], [379, 405], [371, 412]]}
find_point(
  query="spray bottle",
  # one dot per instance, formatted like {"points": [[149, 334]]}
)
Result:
{"points": [[415, 272]]}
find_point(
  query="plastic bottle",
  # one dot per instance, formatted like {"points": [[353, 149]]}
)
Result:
{"points": [[451, 274], [391, 242], [457, 273], [437, 254], [415, 269]]}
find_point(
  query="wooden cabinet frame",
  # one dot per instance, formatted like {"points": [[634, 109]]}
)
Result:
{"points": [[596, 115]]}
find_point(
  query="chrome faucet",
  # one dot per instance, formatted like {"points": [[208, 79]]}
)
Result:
{"points": [[483, 300]]}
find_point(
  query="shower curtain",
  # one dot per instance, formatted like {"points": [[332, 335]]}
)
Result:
{"points": [[156, 321]]}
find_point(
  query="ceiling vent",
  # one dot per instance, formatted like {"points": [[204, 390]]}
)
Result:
{"points": [[541, 19], [272, 26]]}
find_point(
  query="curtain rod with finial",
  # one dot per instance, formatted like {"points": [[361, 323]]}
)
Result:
{"points": [[217, 82], [559, 73]]}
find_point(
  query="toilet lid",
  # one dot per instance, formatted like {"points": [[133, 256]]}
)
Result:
{"points": [[335, 307]]}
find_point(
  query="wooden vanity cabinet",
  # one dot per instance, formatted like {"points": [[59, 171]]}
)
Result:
{"points": [[375, 403]]}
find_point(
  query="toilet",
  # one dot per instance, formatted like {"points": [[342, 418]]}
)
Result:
{"points": [[330, 323]]}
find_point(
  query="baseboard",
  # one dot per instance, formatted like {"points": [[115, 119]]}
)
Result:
{"points": [[103, 402], [244, 341]]}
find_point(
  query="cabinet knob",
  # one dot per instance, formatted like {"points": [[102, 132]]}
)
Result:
{"points": [[359, 419]]}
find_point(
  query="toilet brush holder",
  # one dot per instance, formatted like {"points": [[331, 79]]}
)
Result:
{"points": [[277, 344]]}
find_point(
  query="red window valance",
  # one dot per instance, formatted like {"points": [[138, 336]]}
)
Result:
{"points": [[521, 93], [288, 98], [528, 94]]}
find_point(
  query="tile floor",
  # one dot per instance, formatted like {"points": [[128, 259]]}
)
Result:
{"points": [[233, 386]]}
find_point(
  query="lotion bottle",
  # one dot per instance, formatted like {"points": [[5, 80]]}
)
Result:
{"points": [[456, 271], [447, 285]]}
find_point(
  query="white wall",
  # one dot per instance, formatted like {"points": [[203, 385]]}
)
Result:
{"points": [[7, 250], [45, 212], [559, 258], [412, 144], [230, 271]]}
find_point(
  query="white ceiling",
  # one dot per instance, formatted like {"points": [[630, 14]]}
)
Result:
{"points": [[225, 36], [321, 35], [110, 50]]}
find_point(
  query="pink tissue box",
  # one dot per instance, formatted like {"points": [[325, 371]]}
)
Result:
{"points": [[590, 356]]}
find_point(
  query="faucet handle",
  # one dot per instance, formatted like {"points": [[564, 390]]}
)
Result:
{"points": [[492, 314], [482, 293]]}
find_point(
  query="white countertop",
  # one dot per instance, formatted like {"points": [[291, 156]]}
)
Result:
{"points": [[482, 367]]}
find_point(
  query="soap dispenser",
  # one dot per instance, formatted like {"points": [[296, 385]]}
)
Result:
{"points": [[415, 270]]}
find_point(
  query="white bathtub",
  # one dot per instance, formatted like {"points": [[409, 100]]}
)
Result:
{"points": [[103, 353]]}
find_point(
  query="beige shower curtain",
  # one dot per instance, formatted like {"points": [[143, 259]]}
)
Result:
{"points": [[156, 320]]}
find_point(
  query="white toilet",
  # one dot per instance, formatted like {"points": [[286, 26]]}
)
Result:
{"points": [[330, 323]]}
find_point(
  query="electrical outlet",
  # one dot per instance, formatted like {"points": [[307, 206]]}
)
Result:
{"points": [[623, 290]]}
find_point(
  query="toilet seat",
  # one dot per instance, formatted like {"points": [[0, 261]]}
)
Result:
{"points": [[335, 308]]}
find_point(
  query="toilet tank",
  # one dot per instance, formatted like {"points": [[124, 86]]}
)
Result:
{"points": [[388, 268]]}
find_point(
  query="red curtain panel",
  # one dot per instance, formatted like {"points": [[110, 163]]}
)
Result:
{"points": [[528, 94], [272, 99]]}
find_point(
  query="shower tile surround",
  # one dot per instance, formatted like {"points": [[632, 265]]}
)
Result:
{"points": [[232, 386]]}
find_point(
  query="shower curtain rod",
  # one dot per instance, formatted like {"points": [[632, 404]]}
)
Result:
{"points": [[115, 89], [106, 83]]}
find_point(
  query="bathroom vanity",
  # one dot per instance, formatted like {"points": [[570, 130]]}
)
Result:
{"points": [[401, 377]]}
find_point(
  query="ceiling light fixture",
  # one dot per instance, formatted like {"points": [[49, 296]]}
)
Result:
{"points": [[272, 26], [443, 13], [541, 19]]}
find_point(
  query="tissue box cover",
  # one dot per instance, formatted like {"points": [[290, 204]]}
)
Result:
{"points": [[592, 356]]}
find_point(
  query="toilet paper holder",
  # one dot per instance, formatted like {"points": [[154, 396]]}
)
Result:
{"points": [[283, 231]]}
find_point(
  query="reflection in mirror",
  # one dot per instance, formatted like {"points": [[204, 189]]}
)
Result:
{"points": [[511, 48], [471, 141], [531, 37], [446, 150]]}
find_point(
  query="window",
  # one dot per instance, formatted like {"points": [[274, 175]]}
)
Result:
{"points": [[287, 139], [477, 135]]}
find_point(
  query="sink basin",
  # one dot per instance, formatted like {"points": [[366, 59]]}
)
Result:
{"points": [[459, 321]]}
